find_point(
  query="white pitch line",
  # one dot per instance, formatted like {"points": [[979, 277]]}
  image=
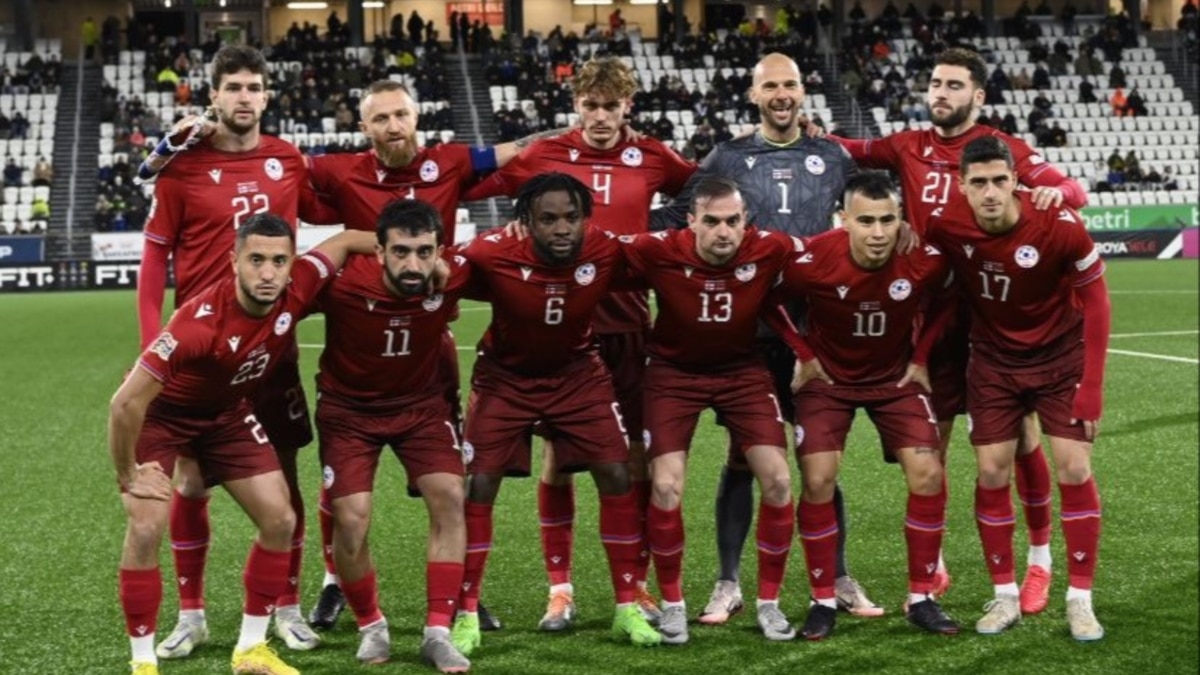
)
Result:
{"points": [[1158, 334], [1154, 292], [1161, 357]]}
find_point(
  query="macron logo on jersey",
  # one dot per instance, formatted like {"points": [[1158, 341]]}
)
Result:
{"points": [[806, 258], [380, 174], [927, 151], [205, 310], [969, 250], [525, 272], [1066, 215], [234, 342], [573, 153], [215, 174], [687, 272], [842, 291], [750, 161], [370, 304]]}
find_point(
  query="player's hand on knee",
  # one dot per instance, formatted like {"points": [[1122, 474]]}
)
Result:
{"points": [[908, 239], [150, 482], [918, 374], [515, 228], [807, 371], [1085, 410]]}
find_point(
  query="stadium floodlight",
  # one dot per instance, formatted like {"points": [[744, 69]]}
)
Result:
{"points": [[373, 4], [592, 2], [647, 2], [307, 5]]}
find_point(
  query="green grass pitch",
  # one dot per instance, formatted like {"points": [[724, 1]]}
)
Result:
{"points": [[62, 524]]}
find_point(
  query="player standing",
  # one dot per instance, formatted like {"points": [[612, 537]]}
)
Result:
{"points": [[380, 384], [790, 183], [1040, 318], [863, 298], [538, 362], [624, 176], [190, 393], [200, 200], [711, 281], [926, 162]]}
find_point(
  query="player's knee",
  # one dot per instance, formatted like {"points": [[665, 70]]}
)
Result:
{"points": [[483, 488], [611, 478], [1073, 469], [351, 521], [144, 534], [819, 486], [776, 486], [926, 478], [275, 528], [666, 492]]}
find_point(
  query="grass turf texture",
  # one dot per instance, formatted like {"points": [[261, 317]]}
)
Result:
{"points": [[62, 525]]}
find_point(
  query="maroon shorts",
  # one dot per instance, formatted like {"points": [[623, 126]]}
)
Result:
{"points": [[948, 371], [743, 398], [903, 417], [423, 438], [578, 410], [229, 445], [999, 397], [625, 356], [282, 407]]}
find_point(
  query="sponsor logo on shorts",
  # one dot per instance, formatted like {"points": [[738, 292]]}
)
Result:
{"points": [[745, 272], [799, 435], [283, 323], [631, 157], [432, 303], [274, 168], [164, 346], [900, 289], [327, 476], [815, 165], [585, 274], [1027, 256], [430, 171]]}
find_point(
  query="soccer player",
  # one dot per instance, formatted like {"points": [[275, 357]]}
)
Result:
{"points": [[790, 183], [380, 384], [1039, 333], [538, 363], [863, 298], [624, 176], [926, 162], [190, 393], [711, 281], [200, 200]]}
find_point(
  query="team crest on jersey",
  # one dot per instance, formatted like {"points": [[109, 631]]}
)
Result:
{"points": [[432, 303], [631, 157], [430, 171], [745, 272], [283, 323], [327, 476], [815, 165], [274, 168], [1027, 256], [585, 274], [573, 153], [164, 346], [900, 289]]}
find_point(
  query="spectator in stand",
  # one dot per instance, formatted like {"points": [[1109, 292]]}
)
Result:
{"points": [[1115, 161], [20, 126], [1119, 102], [415, 25], [1135, 105], [39, 210], [1058, 136], [1087, 91], [5, 126], [1168, 180], [12, 174], [137, 139], [1133, 167], [167, 79], [1116, 77], [1041, 77], [1153, 177], [43, 173], [1009, 125], [91, 35], [1021, 81]]}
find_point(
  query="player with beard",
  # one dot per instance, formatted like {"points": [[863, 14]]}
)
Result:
{"points": [[199, 202], [790, 183], [190, 394], [539, 363], [379, 384], [624, 176], [927, 162]]}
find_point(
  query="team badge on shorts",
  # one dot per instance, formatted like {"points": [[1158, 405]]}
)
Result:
{"points": [[274, 168], [585, 274], [468, 452], [429, 171], [1027, 256], [799, 435], [646, 438], [432, 303], [900, 289], [283, 323], [632, 157], [164, 346], [745, 272], [327, 476], [814, 164]]}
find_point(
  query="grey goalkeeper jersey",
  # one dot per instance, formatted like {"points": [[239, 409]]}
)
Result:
{"points": [[795, 188]]}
